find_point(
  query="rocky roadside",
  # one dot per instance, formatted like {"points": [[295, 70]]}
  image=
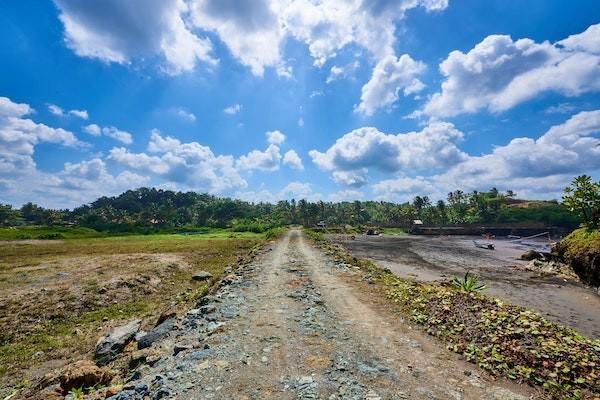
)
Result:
{"points": [[286, 326]]}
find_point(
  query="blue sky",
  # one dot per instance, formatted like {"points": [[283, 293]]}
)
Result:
{"points": [[273, 99]]}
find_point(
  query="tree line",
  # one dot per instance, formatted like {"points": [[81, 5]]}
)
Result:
{"points": [[151, 209]]}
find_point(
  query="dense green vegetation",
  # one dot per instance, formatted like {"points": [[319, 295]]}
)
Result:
{"points": [[149, 210], [583, 198], [581, 249]]}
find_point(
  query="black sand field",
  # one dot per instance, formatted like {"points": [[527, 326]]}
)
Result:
{"points": [[429, 258]]}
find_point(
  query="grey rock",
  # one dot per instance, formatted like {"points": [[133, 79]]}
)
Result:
{"points": [[111, 345], [201, 354], [156, 333], [207, 309], [202, 276], [161, 393]]}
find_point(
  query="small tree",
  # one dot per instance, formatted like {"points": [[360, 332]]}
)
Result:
{"points": [[583, 198]]}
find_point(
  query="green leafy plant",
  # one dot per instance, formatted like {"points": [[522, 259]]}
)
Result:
{"points": [[583, 198], [77, 393], [469, 283]]}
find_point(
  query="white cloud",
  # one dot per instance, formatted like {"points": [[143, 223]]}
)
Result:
{"points": [[404, 188], [58, 111], [499, 73], [184, 114], [117, 134], [19, 135], [191, 166], [350, 157], [297, 190], [233, 109], [562, 108], [83, 114], [390, 76], [343, 72], [293, 160], [328, 26], [109, 131], [267, 160], [93, 129], [255, 30], [250, 29], [275, 137], [354, 178], [75, 184], [534, 168], [346, 195], [119, 32], [586, 41]]}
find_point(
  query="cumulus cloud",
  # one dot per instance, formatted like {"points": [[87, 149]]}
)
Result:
{"points": [[328, 26], [58, 111], [76, 184], [250, 29], [267, 160], [404, 188], [109, 131], [499, 73], [346, 195], [190, 165], [119, 32], [390, 76], [233, 109], [293, 160], [275, 137], [297, 190], [19, 135], [255, 30], [354, 153], [22, 181], [537, 168]]}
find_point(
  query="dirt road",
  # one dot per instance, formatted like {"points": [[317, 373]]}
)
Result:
{"points": [[295, 325]]}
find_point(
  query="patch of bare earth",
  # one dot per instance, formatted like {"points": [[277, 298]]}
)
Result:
{"points": [[295, 324], [53, 308]]}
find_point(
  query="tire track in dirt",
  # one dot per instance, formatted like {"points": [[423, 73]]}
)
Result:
{"points": [[290, 326]]}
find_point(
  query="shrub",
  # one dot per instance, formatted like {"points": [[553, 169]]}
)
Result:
{"points": [[470, 283]]}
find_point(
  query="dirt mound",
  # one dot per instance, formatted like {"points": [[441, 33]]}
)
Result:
{"points": [[581, 250]]}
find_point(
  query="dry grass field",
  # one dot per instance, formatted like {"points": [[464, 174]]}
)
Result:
{"points": [[57, 297]]}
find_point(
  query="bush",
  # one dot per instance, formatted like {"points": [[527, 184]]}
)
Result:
{"points": [[581, 250], [51, 236], [274, 233], [470, 283]]}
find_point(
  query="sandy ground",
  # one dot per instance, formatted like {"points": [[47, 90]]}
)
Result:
{"points": [[432, 258], [296, 325]]}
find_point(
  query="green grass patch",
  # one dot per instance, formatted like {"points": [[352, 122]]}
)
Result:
{"points": [[503, 339], [315, 235], [581, 249], [48, 233], [394, 231]]}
